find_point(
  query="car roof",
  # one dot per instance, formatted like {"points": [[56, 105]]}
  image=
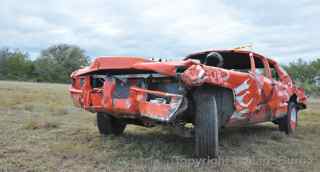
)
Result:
{"points": [[231, 51]]}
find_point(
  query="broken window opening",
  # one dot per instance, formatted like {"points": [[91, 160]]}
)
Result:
{"points": [[230, 60]]}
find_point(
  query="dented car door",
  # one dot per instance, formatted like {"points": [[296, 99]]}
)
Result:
{"points": [[264, 89]]}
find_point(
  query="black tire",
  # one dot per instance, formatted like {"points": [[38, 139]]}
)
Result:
{"points": [[206, 124], [289, 123], [109, 125]]}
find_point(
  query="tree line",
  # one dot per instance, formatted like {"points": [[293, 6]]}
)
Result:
{"points": [[306, 74], [56, 63]]}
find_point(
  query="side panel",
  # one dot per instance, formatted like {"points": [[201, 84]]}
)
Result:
{"points": [[288, 89], [245, 87]]}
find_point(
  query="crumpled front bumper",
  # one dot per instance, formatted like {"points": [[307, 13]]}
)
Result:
{"points": [[138, 103], [154, 109]]}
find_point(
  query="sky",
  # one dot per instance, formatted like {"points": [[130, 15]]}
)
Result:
{"points": [[281, 29]]}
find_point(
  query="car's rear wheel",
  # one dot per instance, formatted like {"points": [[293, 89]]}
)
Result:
{"points": [[206, 124], [289, 123], [108, 124]]}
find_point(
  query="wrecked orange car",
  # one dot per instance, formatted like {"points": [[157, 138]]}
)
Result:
{"points": [[210, 90]]}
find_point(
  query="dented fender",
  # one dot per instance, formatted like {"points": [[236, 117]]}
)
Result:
{"points": [[244, 86]]}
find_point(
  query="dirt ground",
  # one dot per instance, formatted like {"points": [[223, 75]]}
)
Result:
{"points": [[40, 130]]}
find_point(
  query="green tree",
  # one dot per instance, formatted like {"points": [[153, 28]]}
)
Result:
{"points": [[305, 74], [56, 63], [4, 55], [15, 65], [316, 66]]}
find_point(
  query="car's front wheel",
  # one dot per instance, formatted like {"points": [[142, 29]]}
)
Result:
{"points": [[108, 124], [206, 124], [289, 122]]}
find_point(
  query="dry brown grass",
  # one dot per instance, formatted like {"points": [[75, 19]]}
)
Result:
{"points": [[40, 130], [32, 124]]}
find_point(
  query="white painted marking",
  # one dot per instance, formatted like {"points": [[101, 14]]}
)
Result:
{"points": [[242, 87]]}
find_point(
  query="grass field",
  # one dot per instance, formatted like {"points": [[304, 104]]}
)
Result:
{"points": [[40, 130]]}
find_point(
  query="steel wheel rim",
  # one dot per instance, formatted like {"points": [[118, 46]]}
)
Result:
{"points": [[293, 118]]}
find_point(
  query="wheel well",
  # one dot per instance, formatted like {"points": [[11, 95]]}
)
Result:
{"points": [[294, 98], [224, 99]]}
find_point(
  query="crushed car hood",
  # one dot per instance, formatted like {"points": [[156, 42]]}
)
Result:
{"points": [[137, 63]]}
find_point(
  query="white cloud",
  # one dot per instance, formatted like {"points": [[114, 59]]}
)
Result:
{"points": [[168, 28]]}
